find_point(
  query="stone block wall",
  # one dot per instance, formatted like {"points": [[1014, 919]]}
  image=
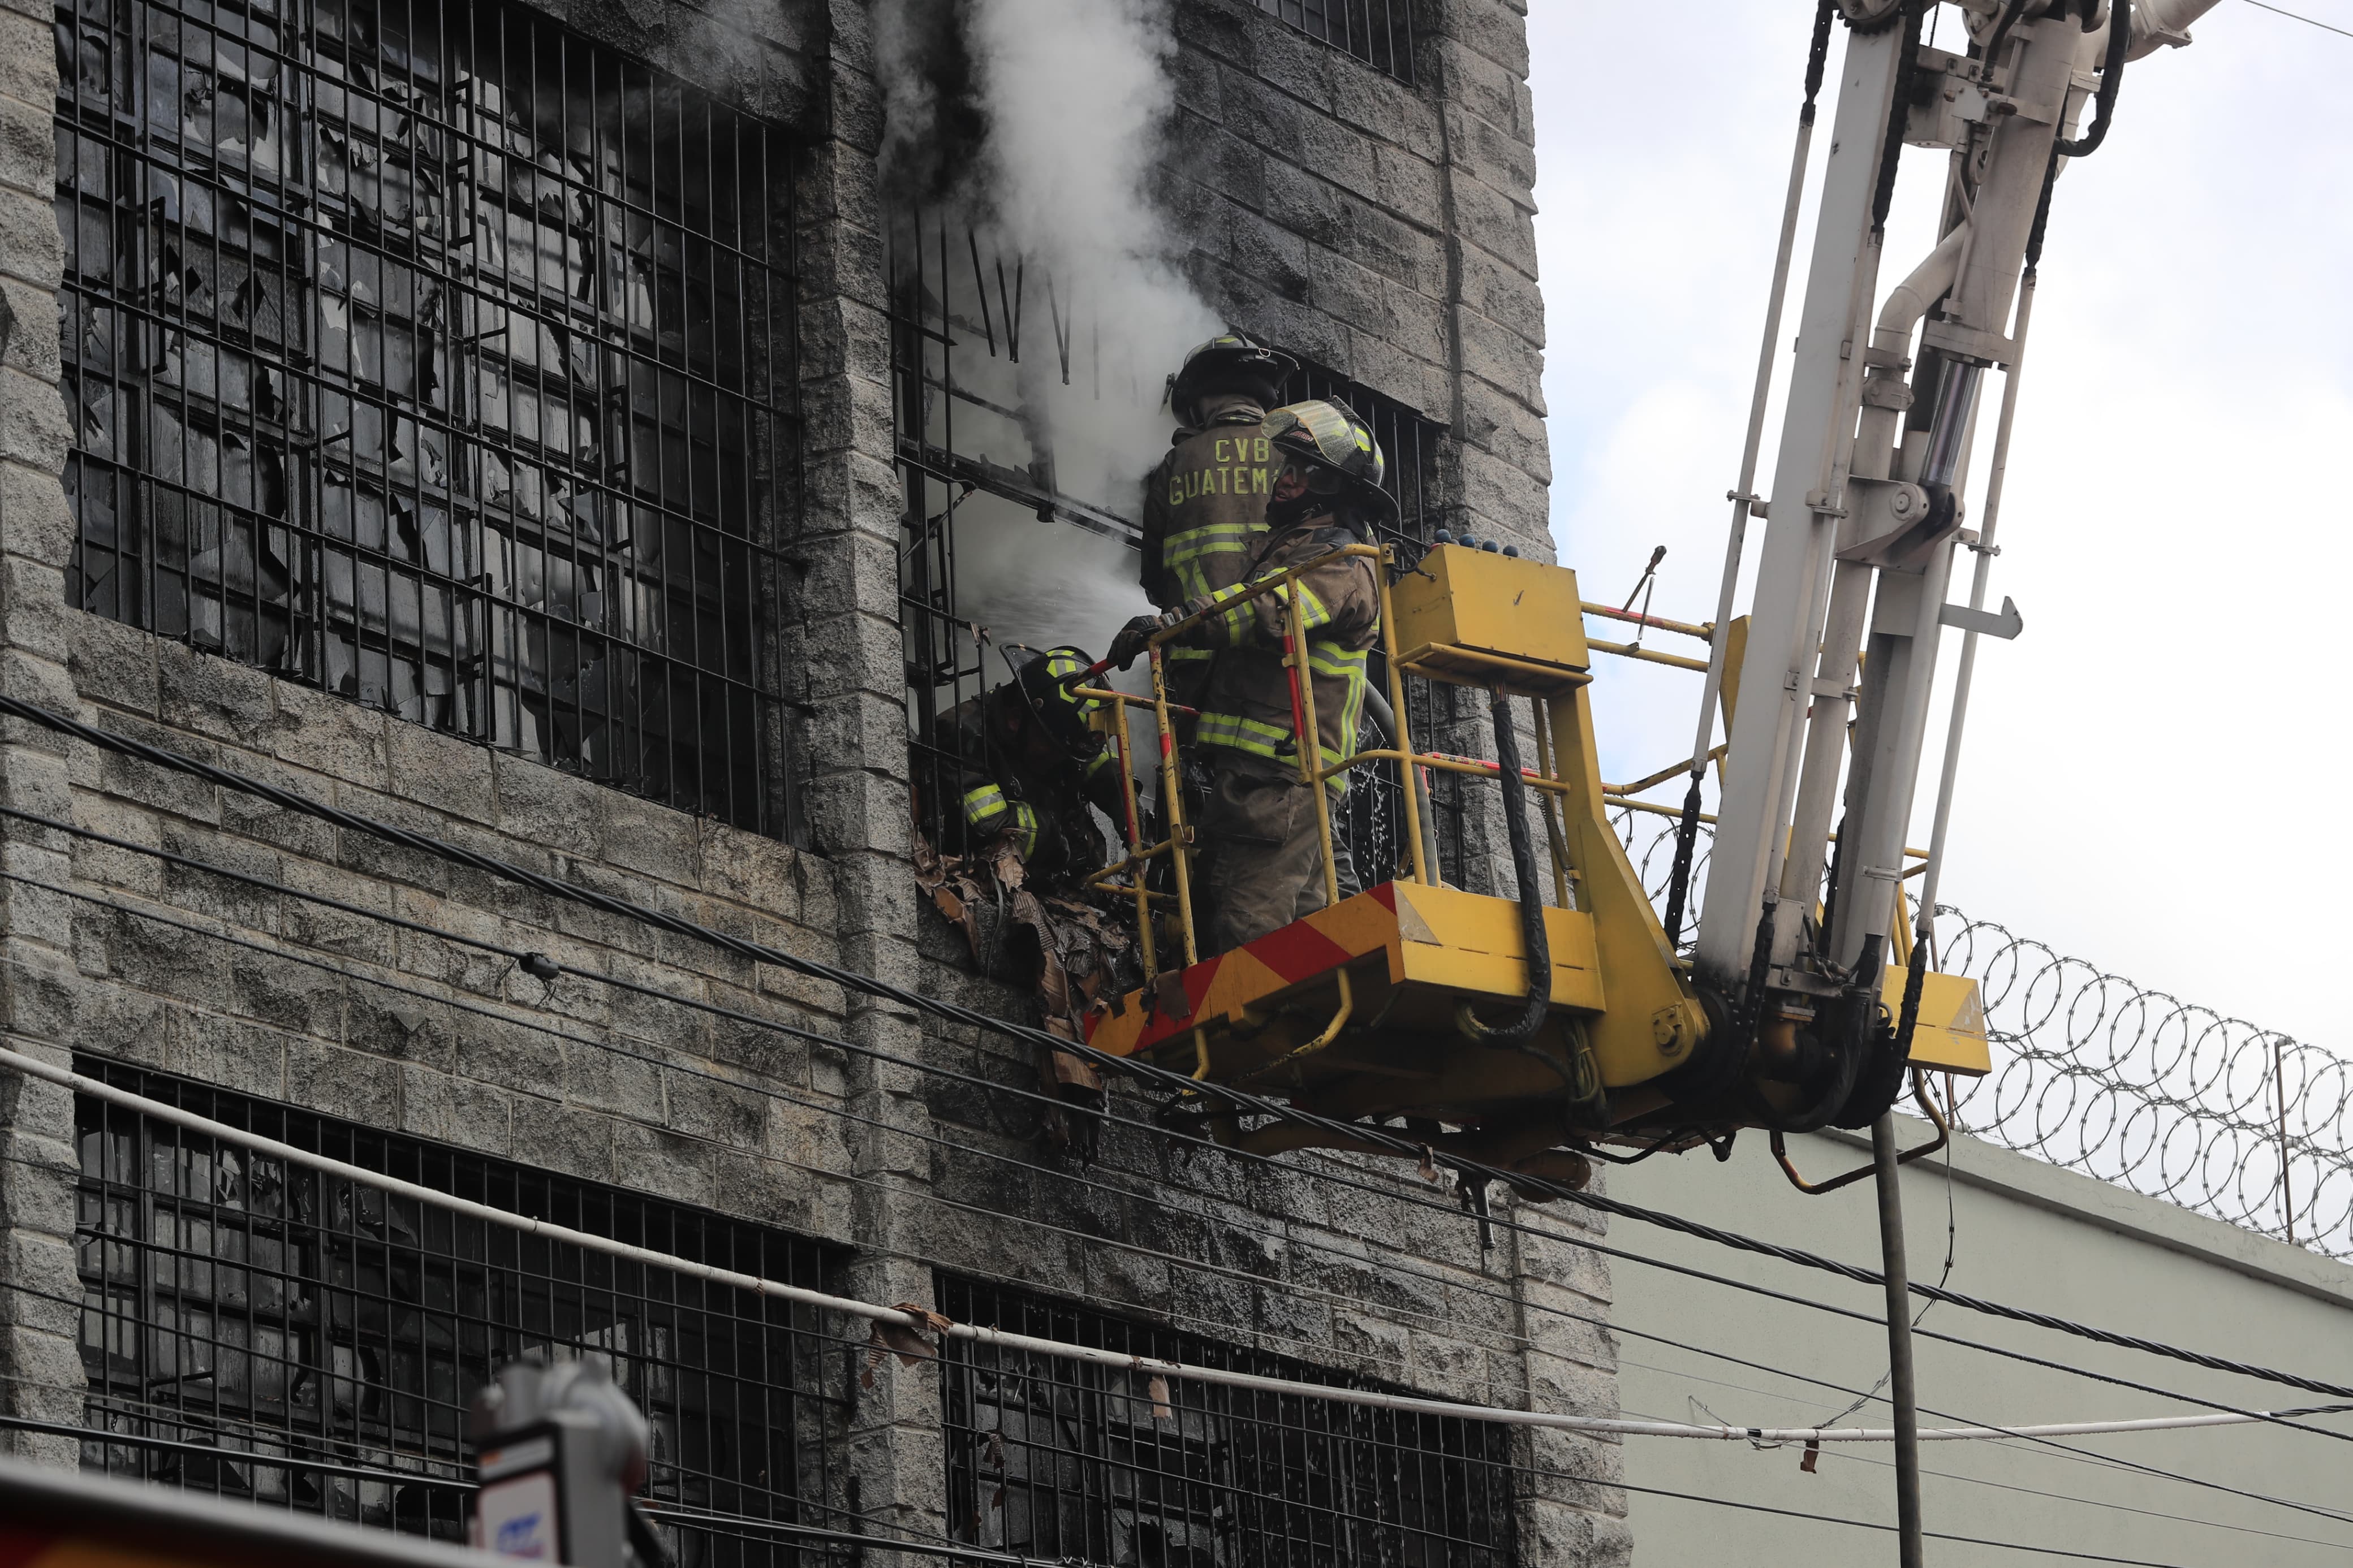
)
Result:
{"points": [[1386, 231], [1383, 229]]}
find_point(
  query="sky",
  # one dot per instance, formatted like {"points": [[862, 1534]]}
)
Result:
{"points": [[2155, 772]]}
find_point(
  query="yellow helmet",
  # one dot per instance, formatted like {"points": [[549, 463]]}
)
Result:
{"points": [[1340, 453]]}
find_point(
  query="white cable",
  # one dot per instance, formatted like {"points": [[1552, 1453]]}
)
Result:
{"points": [[33, 1066]]}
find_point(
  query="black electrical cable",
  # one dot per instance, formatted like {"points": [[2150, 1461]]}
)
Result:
{"points": [[2270, 1418], [1817, 58], [2059, 1448], [1603, 1249], [1562, 1313], [1600, 1247], [2112, 82], [708, 1522], [1612, 1252], [1239, 1099], [1899, 119], [2042, 216], [657, 1511], [1118, 1192], [747, 1525], [1516, 1035], [2000, 35], [1841, 1451]]}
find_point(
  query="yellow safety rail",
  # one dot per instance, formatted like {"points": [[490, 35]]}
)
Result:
{"points": [[1177, 844]]}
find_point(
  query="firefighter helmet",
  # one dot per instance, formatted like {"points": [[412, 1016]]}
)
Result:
{"points": [[1231, 362], [1337, 455], [1041, 678]]}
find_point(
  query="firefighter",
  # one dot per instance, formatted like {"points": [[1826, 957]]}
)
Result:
{"points": [[1022, 761], [1264, 865], [1205, 505]]}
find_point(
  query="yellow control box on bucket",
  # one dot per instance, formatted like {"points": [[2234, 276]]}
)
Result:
{"points": [[1483, 618]]}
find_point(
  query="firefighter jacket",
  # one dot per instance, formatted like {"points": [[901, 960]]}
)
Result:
{"points": [[1204, 511], [1247, 708], [993, 781]]}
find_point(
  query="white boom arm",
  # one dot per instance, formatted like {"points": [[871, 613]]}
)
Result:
{"points": [[1867, 509]]}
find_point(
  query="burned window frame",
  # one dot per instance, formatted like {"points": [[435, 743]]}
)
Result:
{"points": [[950, 659], [1053, 1458], [1378, 32], [437, 357], [257, 1329]]}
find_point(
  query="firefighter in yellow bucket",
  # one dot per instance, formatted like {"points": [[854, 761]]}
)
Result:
{"points": [[1258, 829]]}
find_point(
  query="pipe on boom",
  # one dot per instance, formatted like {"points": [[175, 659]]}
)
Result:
{"points": [[1908, 305], [1911, 300], [2164, 24]]}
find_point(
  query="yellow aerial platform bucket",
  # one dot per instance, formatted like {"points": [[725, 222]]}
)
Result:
{"points": [[1358, 1010]]}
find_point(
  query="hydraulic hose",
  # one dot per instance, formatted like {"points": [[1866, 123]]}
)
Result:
{"points": [[2112, 80], [1516, 1035], [1990, 51]]}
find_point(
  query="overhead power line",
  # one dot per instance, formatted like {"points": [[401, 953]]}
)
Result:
{"points": [[1957, 1478], [749, 1528], [1237, 1099], [2298, 16], [1331, 1176], [1409, 1195], [920, 1323]]}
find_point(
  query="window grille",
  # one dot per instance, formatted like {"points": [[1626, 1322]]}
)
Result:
{"points": [[1377, 32], [269, 1332], [429, 354], [983, 489], [1052, 1459], [1374, 816]]}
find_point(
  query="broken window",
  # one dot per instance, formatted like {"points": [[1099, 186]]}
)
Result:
{"points": [[1007, 541], [436, 358], [258, 1330], [1377, 32], [1050, 1459]]}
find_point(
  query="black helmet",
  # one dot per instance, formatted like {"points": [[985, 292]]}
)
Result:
{"points": [[1061, 712], [1335, 448], [1230, 362]]}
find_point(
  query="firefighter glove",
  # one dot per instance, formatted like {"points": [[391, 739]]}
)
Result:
{"points": [[1134, 638]]}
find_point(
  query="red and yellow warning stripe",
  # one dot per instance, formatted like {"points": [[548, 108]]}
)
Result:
{"points": [[1442, 937]]}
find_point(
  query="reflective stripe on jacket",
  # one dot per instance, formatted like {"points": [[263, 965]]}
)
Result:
{"points": [[1205, 505], [1248, 705], [987, 813], [997, 784]]}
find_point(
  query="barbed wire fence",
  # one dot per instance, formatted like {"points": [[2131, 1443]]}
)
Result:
{"points": [[2098, 1073]]}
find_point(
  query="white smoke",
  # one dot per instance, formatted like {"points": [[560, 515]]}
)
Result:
{"points": [[1075, 96]]}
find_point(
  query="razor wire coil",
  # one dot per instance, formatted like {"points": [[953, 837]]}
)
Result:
{"points": [[2098, 1073]]}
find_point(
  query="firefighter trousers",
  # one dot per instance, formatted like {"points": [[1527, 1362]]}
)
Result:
{"points": [[1264, 863]]}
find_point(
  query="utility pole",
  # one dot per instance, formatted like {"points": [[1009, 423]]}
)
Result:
{"points": [[1903, 1392]]}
